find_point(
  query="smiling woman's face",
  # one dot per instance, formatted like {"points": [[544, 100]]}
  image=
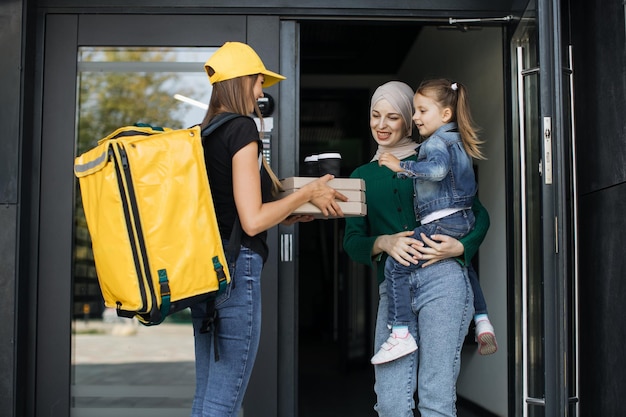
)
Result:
{"points": [[386, 124]]}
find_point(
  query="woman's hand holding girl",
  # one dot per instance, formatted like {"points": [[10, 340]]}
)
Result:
{"points": [[437, 247], [400, 246]]}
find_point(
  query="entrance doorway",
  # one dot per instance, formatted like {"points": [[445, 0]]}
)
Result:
{"points": [[342, 63]]}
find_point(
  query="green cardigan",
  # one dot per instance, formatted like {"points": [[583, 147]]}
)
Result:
{"points": [[390, 210]]}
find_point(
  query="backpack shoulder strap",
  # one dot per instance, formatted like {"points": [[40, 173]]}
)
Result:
{"points": [[217, 121]]}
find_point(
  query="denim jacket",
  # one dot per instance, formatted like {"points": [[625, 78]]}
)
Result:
{"points": [[443, 175]]}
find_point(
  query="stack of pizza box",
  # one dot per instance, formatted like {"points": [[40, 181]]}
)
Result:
{"points": [[353, 188]]}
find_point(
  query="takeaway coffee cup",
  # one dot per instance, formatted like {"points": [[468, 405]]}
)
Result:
{"points": [[329, 163], [310, 168]]}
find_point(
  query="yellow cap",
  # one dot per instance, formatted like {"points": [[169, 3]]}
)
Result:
{"points": [[236, 59]]}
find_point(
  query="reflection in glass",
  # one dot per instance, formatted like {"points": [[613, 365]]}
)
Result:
{"points": [[119, 365], [527, 153]]}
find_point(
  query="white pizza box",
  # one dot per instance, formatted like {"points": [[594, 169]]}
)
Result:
{"points": [[349, 208], [336, 183], [353, 195]]}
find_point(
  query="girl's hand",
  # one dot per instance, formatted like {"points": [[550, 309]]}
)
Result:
{"points": [[296, 218], [400, 246], [325, 198], [437, 247], [390, 161]]}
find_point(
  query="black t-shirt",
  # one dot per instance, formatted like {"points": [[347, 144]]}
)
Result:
{"points": [[219, 149]]}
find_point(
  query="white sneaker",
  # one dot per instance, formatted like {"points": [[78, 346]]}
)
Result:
{"points": [[394, 348], [486, 337]]}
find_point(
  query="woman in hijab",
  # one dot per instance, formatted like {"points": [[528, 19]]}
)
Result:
{"points": [[443, 307]]}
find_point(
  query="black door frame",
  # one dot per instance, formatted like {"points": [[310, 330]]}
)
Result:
{"points": [[559, 336], [64, 34]]}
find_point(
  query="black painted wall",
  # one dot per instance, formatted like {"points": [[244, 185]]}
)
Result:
{"points": [[598, 34]]}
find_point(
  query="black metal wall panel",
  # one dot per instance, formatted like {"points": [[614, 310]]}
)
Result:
{"points": [[600, 87], [261, 398], [10, 100], [8, 222], [599, 51], [278, 7], [56, 220], [122, 30], [10, 74], [602, 289]]}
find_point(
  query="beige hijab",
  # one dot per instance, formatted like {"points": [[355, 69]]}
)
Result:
{"points": [[400, 96]]}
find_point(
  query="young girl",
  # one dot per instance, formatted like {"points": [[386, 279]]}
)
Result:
{"points": [[444, 186], [241, 188]]}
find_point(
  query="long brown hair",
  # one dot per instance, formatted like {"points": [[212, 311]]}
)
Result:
{"points": [[454, 95], [235, 96]]}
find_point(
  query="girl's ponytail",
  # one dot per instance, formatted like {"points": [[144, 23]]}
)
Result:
{"points": [[467, 127], [455, 96]]}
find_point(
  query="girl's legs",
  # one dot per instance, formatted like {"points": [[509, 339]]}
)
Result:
{"points": [[396, 381], [398, 293], [399, 316], [480, 305], [485, 333], [444, 304], [221, 385]]}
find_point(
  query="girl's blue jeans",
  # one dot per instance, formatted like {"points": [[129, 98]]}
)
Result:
{"points": [[397, 275], [442, 308], [480, 304], [221, 385]]}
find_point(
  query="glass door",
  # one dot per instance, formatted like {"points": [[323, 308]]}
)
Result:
{"points": [[118, 364], [102, 72], [544, 212], [527, 213]]}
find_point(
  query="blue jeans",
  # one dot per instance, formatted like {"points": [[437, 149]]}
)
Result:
{"points": [[442, 308], [480, 305], [397, 275], [221, 385]]}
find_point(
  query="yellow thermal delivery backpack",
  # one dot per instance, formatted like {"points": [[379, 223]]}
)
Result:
{"points": [[149, 211]]}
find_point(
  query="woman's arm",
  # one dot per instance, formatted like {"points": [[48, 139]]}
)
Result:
{"points": [[256, 216], [475, 238], [357, 241], [365, 245]]}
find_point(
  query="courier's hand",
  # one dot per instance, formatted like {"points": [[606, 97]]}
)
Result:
{"points": [[325, 197]]}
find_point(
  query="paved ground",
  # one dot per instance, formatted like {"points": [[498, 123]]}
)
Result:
{"points": [[123, 369], [127, 369], [96, 342]]}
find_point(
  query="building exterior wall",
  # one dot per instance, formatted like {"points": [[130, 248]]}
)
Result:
{"points": [[10, 112], [599, 51], [599, 33]]}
